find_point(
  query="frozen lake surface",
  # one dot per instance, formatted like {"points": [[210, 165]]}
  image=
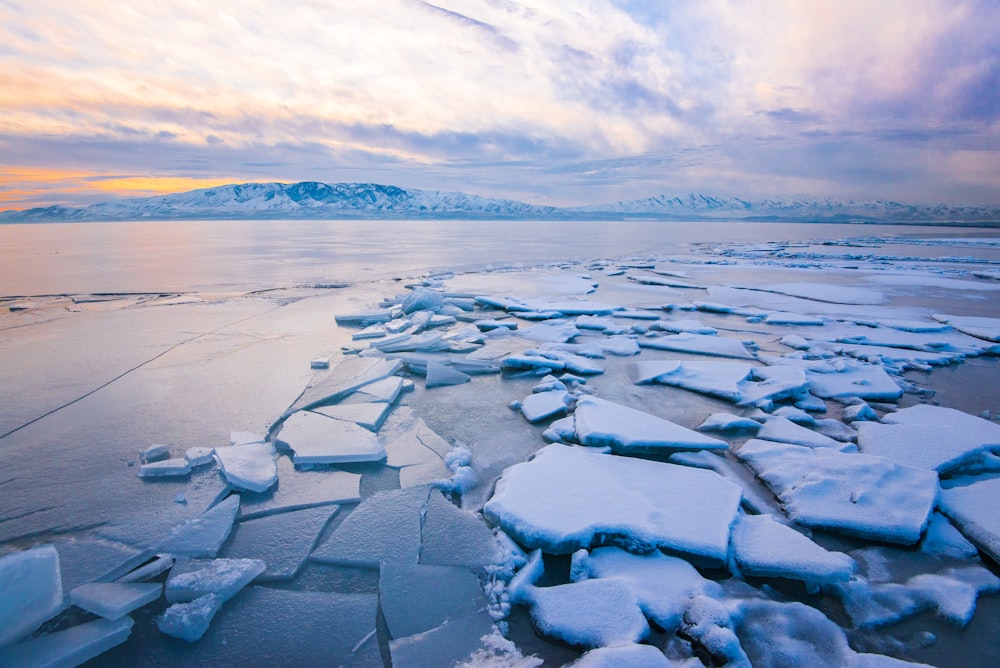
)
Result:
{"points": [[488, 445]]}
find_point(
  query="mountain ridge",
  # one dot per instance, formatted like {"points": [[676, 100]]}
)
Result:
{"points": [[314, 199]]}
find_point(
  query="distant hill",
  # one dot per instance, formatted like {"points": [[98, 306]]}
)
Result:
{"points": [[311, 199]]}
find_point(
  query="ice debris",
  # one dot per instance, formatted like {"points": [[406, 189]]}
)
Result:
{"points": [[204, 535]]}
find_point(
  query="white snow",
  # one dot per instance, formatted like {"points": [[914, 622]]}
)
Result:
{"points": [[567, 498], [701, 344], [764, 547], [717, 379], [165, 467], [728, 422], [592, 613], [862, 495], [369, 415], [633, 656], [600, 422], [973, 510], [783, 430], [30, 591], [249, 467], [852, 379], [318, 439], [540, 406], [114, 600]]}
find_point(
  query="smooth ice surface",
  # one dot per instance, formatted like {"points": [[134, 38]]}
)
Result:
{"points": [[113, 600], [567, 498], [189, 621], [940, 448], [717, 379], [249, 467], [863, 495], [368, 415], [199, 456], [700, 344], [204, 535], [298, 489], [455, 641], [386, 390], [763, 547], [165, 467], [591, 613], [71, 647], [454, 537], [385, 527], [970, 426], [544, 405], [973, 509], [349, 375], [662, 584], [633, 656], [193, 578], [626, 430], [318, 439], [783, 430], [87, 558], [987, 329], [441, 375], [416, 598], [825, 292], [865, 381], [30, 591], [281, 541]]}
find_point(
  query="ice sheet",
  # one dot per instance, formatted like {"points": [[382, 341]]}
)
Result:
{"points": [[350, 374], [318, 439], [544, 405], [298, 489], [282, 541], [368, 415], [249, 467], [717, 379], [763, 547], [973, 510], [451, 536], [204, 535], [70, 647], [114, 600], [626, 430], [32, 591], [987, 329], [700, 344], [191, 579], [591, 613], [783, 430], [853, 379], [416, 598]]}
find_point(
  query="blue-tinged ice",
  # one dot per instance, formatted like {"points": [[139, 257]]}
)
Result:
{"points": [[318, 439], [70, 647], [193, 578], [451, 536], [700, 344], [114, 600], [540, 406], [248, 467], [204, 535], [298, 489], [766, 548], [30, 591], [633, 656], [627, 430], [282, 541], [972, 507], [716, 379], [189, 621], [783, 430], [589, 614]]}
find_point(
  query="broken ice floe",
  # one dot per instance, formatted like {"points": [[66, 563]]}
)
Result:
{"points": [[701, 344], [165, 467], [204, 535], [250, 467], [318, 439], [763, 547], [69, 647], [32, 591], [626, 430], [972, 507], [114, 600], [282, 541]]}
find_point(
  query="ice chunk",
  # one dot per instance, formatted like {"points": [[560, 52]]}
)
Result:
{"points": [[823, 292], [440, 375], [795, 341], [700, 344], [113, 600], [707, 622], [165, 467], [728, 422], [71, 647], [717, 379], [600, 323], [385, 527], [796, 415], [626, 430], [298, 489], [32, 591], [281, 541], [684, 325], [783, 318], [972, 427], [318, 439], [363, 319], [415, 599], [987, 329], [368, 415], [558, 333], [451, 536], [663, 584], [544, 405], [349, 375], [776, 428], [386, 390], [84, 559], [763, 547], [853, 379], [193, 578], [532, 359], [446, 645], [249, 467], [863, 495], [154, 453], [319, 363], [245, 438], [756, 497], [633, 656], [973, 510], [200, 456], [859, 412], [773, 383], [592, 613], [422, 299], [567, 498], [189, 621], [204, 535], [160, 564], [941, 448]]}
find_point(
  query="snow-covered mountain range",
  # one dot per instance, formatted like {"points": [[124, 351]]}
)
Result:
{"points": [[368, 200]]}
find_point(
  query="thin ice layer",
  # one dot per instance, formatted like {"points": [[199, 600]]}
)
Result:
{"points": [[318, 439], [282, 541], [454, 537], [204, 535], [863, 495], [601, 422], [717, 379], [298, 489], [700, 344], [568, 498], [193, 578], [591, 613], [114, 600], [71, 647], [416, 598]]}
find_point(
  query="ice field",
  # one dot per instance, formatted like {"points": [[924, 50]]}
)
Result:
{"points": [[778, 446]]}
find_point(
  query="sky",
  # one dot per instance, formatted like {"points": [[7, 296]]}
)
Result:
{"points": [[548, 102]]}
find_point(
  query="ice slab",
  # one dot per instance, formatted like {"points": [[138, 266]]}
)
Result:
{"points": [[973, 510], [783, 430], [385, 527], [987, 329], [349, 375], [415, 598], [976, 428], [774, 383], [363, 319], [626, 430], [369, 415], [386, 390], [700, 344], [546, 333], [863, 495], [319, 363], [662, 584], [678, 326], [591, 613], [455, 641], [784, 318], [756, 497], [441, 375], [763, 547], [191, 579], [71, 647], [324, 628], [853, 379], [114, 600], [298, 489], [948, 341], [943, 539], [154, 453], [199, 456], [249, 467], [282, 541], [567, 498], [451, 536], [189, 621], [84, 559], [823, 292], [32, 591], [717, 379], [544, 405], [165, 467], [318, 439], [204, 535], [938, 447], [728, 422], [634, 656], [245, 438]]}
